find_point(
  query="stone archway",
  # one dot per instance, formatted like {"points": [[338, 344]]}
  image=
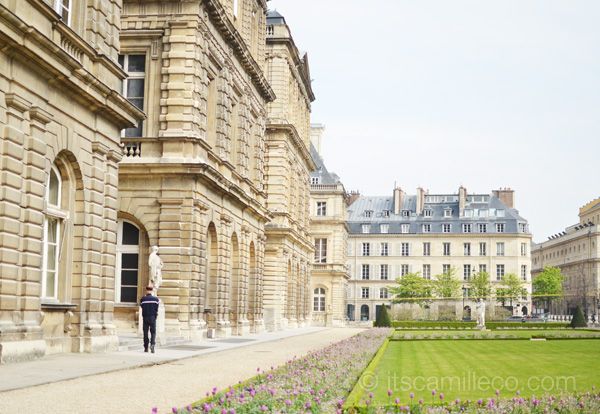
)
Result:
{"points": [[211, 285], [234, 285]]}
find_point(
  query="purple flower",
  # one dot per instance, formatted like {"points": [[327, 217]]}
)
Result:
{"points": [[432, 393], [389, 393], [421, 402], [441, 395], [154, 410], [174, 410], [411, 395], [397, 401]]}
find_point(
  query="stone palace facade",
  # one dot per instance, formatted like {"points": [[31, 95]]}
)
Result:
{"points": [[129, 124]]}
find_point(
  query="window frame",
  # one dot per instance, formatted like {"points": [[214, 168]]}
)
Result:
{"points": [[126, 249], [319, 299], [321, 208], [320, 250], [135, 76], [59, 7]]}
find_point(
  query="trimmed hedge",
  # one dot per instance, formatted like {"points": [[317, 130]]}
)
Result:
{"points": [[472, 325]]}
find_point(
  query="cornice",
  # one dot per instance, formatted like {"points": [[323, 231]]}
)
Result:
{"points": [[299, 64], [219, 18], [296, 140], [63, 64]]}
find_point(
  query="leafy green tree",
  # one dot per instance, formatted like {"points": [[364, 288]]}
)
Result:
{"points": [[513, 288], [481, 287], [383, 318], [578, 320], [548, 285], [412, 288], [446, 285]]}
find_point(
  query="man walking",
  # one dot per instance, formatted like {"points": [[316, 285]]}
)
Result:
{"points": [[149, 304]]}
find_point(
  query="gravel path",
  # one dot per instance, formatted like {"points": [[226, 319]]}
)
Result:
{"points": [[173, 384]]}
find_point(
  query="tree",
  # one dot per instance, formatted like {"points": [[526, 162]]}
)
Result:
{"points": [[548, 285], [446, 285], [412, 288], [481, 287], [383, 318], [513, 288], [578, 320]]}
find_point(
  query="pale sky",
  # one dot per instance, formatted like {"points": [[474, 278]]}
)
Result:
{"points": [[439, 93]]}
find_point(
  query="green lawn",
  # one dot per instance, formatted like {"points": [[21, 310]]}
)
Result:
{"points": [[502, 333], [474, 369]]}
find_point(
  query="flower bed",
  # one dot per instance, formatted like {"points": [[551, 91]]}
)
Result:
{"points": [[316, 383], [564, 404]]}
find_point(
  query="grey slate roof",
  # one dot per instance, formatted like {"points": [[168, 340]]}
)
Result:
{"points": [[325, 177], [377, 205], [274, 17]]}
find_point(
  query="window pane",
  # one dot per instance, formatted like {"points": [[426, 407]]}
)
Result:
{"points": [[135, 88], [129, 261], [129, 278], [129, 294], [51, 258], [137, 63], [54, 188], [134, 132], [131, 235], [138, 102], [52, 231], [122, 61], [50, 282]]}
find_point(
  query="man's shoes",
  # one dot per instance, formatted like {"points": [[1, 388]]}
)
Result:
{"points": [[145, 349], [152, 348]]}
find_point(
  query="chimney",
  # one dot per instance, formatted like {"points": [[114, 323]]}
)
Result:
{"points": [[316, 135], [462, 200], [351, 197], [420, 201], [506, 195], [398, 200]]}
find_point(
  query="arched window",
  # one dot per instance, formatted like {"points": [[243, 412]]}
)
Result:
{"points": [[319, 300], [128, 262], [364, 313], [53, 225]]}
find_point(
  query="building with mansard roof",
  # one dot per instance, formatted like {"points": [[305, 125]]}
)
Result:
{"points": [[328, 227], [432, 234]]}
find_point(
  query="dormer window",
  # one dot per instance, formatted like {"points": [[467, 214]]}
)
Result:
{"points": [[448, 212], [366, 228], [368, 213], [428, 213], [499, 213], [404, 228], [385, 213], [315, 180], [405, 213], [468, 213]]}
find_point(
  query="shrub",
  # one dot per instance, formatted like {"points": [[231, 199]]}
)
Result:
{"points": [[383, 318], [433, 324], [578, 320]]}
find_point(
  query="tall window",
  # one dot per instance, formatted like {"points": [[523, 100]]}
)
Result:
{"points": [[467, 249], [319, 300], [482, 227], [365, 272], [446, 247], [383, 272], [523, 249], [404, 249], [500, 249], [63, 8], [467, 272], [53, 223], [524, 272], [466, 228], [426, 249], [445, 268], [427, 271], [320, 250], [446, 228], [236, 8], [134, 86], [404, 228], [426, 228], [321, 208], [366, 249], [383, 293], [482, 268], [128, 258], [499, 227], [364, 293], [499, 272], [384, 249], [403, 269], [482, 249]]}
